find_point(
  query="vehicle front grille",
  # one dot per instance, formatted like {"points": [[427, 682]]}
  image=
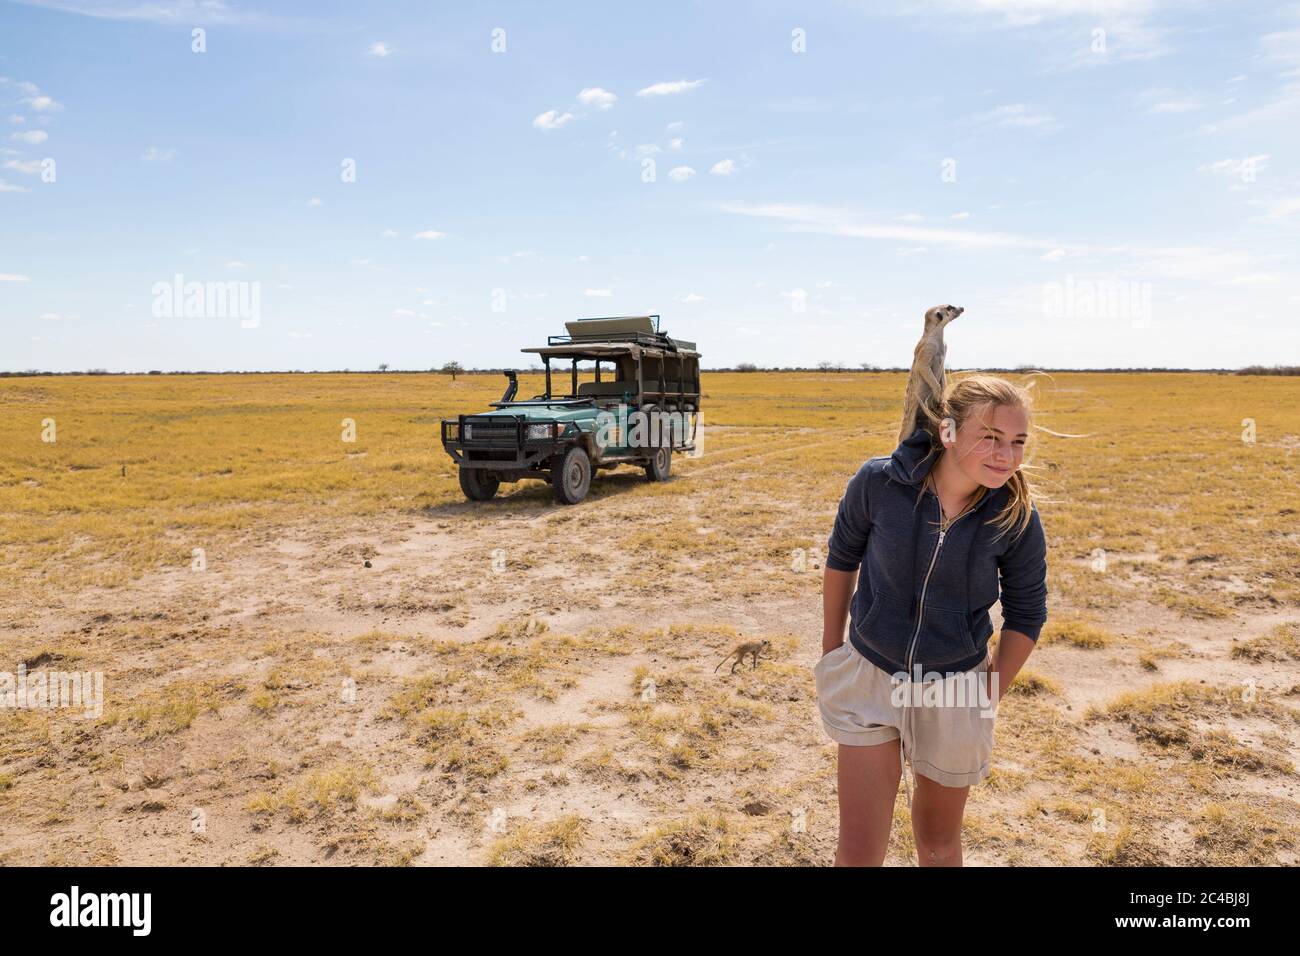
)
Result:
{"points": [[489, 432]]}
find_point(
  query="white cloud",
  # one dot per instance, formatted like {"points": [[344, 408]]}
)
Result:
{"points": [[1282, 49], [15, 118], [236, 264], [1030, 12], [44, 104], [314, 201], [834, 222], [23, 87], [24, 166], [388, 234], [1202, 263], [679, 174], [182, 12], [670, 88], [551, 119], [155, 155], [1236, 168], [32, 137], [403, 314], [11, 277], [1013, 115], [960, 215], [1169, 101], [429, 234], [596, 98], [597, 293], [1282, 46], [1277, 209], [380, 49], [723, 167], [692, 297], [674, 126], [1054, 255], [1254, 278], [646, 149], [909, 217], [675, 144], [11, 188]]}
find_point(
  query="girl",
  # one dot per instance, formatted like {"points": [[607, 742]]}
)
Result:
{"points": [[940, 530]]}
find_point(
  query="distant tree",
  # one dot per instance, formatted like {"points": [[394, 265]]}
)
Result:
{"points": [[453, 369], [867, 366], [746, 367], [383, 366], [1267, 370]]}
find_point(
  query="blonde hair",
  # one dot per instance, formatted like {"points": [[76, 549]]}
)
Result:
{"points": [[966, 398]]}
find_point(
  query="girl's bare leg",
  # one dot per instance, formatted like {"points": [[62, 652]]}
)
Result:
{"points": [[936, 822], [868, 786]]}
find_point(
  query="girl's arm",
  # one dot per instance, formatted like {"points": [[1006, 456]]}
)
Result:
{"points": [[837, 591], [1012, 651], [1023, 574]]}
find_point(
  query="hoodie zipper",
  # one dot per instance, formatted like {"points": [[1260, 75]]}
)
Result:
{"points": [[920, 610]]}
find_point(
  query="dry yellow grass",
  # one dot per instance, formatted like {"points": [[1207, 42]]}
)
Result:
{"points": [[326, 710]]}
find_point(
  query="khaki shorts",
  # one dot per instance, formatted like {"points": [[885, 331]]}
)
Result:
{"points": [[947, 731]]}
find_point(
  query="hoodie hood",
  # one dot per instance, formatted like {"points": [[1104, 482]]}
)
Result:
{"points": [[912, 459]]}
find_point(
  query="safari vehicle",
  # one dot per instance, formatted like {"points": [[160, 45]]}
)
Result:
{"points": [[642, 405]]}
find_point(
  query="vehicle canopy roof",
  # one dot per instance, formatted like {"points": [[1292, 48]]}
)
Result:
{"points": [[604, 350], [634, 335]]}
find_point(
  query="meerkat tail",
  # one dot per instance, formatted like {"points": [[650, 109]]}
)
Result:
{"points": [[923, 388]]}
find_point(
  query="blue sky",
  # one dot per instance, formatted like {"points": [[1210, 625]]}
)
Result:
{"points": [[1098, 182]]}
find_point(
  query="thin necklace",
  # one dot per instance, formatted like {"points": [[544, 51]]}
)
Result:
{"points": [[944, 520]]}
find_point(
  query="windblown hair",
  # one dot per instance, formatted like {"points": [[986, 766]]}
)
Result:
{"points": [[976, 396]]}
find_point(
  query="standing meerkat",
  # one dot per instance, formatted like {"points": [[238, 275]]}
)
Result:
{"points": [[926, 380], [753, 648]]}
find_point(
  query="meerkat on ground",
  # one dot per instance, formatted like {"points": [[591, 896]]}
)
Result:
{"points": [[753, 648], [926, 380]]}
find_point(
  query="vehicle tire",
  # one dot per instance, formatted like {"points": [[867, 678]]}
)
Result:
{"points": [[660, 465], [478, 484], [571, 476]]}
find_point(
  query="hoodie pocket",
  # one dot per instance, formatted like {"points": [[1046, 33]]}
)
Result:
{"points": [[886, 628], [945, 637]]}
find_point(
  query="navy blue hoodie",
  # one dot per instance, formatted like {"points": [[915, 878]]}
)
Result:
{"points": [[922, 602]]}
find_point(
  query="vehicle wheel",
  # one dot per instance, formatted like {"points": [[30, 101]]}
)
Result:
{"points": [[572, 476], [478, 484], [658, 467]]}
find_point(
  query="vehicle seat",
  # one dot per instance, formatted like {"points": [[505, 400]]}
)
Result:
{"points": [[606, 389]]}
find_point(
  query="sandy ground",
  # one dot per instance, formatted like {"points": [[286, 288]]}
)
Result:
{"points": [[540, 642]]}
